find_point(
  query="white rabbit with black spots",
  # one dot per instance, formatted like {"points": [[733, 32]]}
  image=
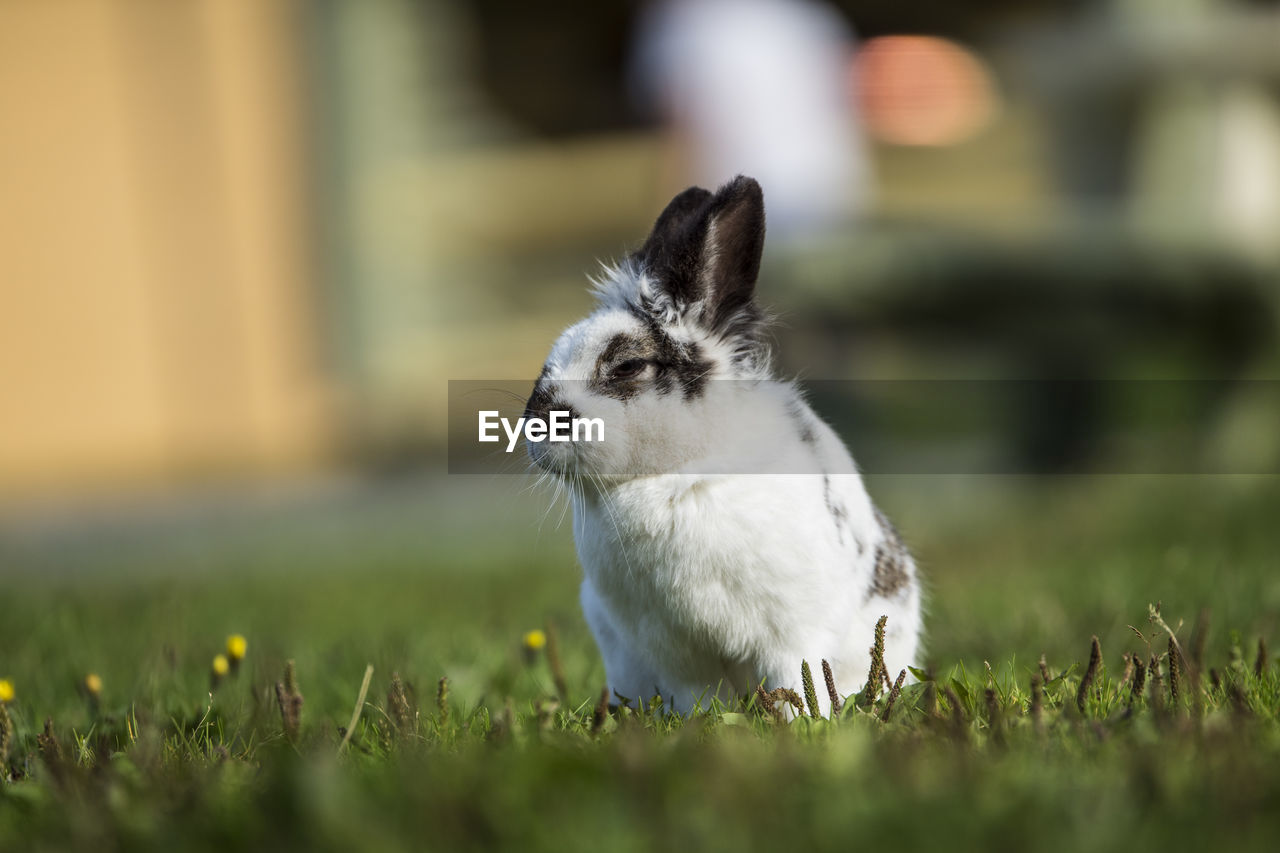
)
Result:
{"points": [[724, 531]]}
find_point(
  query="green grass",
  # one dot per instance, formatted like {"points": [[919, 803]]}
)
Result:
{"points": [[1017, 568]]}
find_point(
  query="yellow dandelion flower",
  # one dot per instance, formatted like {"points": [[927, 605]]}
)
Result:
{"points": [[236, 646], [221, 666], [93, 683], [6, 690], [535, 640]]}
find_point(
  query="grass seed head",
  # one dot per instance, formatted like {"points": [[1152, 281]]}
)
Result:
{"points": [[290, 701], [769, 699], [6, 740], [1139, 678], [51, 751], [834, 695], [1091, 673], [1128, 669], [47, 742], [790, 696], [810, 692], [1263, 660], [442, 701], [894, 693], [1037, 703], [1175, 672], [1044, 670], [765, 702], [399, 708], [877, 672]]}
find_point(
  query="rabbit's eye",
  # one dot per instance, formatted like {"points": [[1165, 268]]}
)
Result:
{"points": [[629, 369]]}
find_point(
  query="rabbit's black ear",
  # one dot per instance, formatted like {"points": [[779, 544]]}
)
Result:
{"points": [[673, 232], [731, 250], [705, 249]]}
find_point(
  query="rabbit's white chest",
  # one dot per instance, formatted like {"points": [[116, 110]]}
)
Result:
{"points": [[708, 579]]}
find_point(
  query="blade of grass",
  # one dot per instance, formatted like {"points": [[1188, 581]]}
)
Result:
{"points": [[355, 713]]}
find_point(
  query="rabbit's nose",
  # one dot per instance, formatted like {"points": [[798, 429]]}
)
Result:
{"points": [[545, 400]]}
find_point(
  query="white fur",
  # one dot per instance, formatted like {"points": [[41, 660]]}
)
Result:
{"points": [[712, 557]]}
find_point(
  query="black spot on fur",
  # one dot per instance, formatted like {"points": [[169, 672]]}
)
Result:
{"points": [[684, 363], [620, 348], [839, 514], [691, 371], [676, 365], [891, 573]]}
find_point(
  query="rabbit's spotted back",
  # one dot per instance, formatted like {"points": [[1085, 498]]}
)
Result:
{"points": [[723, 529]]}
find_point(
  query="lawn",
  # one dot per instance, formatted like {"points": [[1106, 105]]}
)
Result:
{"points": [[445, 579]]}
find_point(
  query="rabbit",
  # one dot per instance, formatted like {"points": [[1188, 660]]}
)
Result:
{"points": [[724, 532]]}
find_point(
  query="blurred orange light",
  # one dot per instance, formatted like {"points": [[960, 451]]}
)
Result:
{"points": [[922, 90]]}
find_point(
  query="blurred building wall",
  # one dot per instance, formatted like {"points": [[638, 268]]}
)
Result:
{"points": [[155, 319]]}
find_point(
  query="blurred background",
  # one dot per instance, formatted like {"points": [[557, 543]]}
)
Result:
{"points": [[244, 240], [245, 244]]}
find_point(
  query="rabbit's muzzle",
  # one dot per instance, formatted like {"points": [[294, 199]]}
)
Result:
{"points": [[544, 400]]}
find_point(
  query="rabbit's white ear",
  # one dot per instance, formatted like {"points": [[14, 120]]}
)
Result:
{"points": [[705, 250]]}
